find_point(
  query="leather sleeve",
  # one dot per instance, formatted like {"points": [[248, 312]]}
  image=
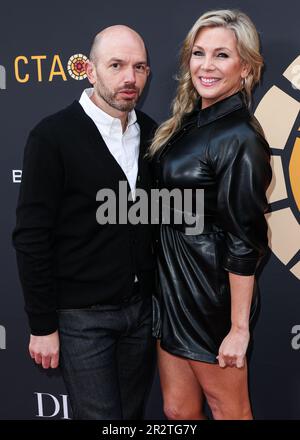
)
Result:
{"points": [[243, 174]]}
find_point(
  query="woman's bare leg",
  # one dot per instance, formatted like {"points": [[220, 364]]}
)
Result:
{"points": [[182, 393], [226, 390]]}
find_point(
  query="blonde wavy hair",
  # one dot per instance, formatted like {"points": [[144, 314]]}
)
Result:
{"points": [[248, 48]]}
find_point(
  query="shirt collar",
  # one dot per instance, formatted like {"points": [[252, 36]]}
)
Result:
{"points": [[220, 109], [100, 117]]}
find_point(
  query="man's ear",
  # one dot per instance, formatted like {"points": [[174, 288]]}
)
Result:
{"points": [[90, 70]]}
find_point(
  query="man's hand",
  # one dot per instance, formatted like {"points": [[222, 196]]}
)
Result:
{"points": [[45, 349]]}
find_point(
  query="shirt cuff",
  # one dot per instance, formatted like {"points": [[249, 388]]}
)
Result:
{"points": [[240, 266]]}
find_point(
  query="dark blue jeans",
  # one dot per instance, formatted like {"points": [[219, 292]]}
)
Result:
{"points": [[107, 359]]}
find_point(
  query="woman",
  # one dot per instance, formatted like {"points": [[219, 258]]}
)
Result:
{"points": [[208, 280]]}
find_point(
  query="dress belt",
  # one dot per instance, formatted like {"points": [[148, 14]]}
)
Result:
{"points": [[208, 227]]}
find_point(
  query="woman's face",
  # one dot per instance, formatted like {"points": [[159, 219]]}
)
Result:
{"points": [[215, 65]]}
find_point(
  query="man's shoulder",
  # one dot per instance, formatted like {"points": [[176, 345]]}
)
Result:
{"points": [[145, 120], [57, 121]]}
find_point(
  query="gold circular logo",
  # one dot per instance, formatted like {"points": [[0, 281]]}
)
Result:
{"points": [[76, 67], [278, 113]]}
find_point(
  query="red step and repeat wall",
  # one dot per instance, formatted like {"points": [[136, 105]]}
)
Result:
{"points": [[42, 50]]}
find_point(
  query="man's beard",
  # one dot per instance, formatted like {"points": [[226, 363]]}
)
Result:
{"points": [[111, 97]]}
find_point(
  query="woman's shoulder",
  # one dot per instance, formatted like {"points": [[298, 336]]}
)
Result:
{"points": [[238, 130], [237, 136]]}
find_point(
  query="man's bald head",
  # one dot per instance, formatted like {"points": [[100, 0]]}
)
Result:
{"points": [[117, 69], [114, 35]]}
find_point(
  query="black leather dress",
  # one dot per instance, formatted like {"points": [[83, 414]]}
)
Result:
{"points": [[216, 149]]}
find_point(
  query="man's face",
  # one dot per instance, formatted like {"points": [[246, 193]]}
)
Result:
{"points": [[119, 73]]}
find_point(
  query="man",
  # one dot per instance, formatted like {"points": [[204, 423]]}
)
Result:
{"points": [[88, 286]]}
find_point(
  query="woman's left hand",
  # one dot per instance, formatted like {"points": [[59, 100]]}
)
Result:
{"points": [[233, 349]]}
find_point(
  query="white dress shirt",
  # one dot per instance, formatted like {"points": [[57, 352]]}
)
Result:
{"points": [[123, 146]]}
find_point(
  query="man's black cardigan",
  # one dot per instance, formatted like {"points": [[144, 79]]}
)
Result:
{"points": [[65, 258]]}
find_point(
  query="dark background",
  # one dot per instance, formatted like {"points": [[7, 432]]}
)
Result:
{"points": [[67, 28]]}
